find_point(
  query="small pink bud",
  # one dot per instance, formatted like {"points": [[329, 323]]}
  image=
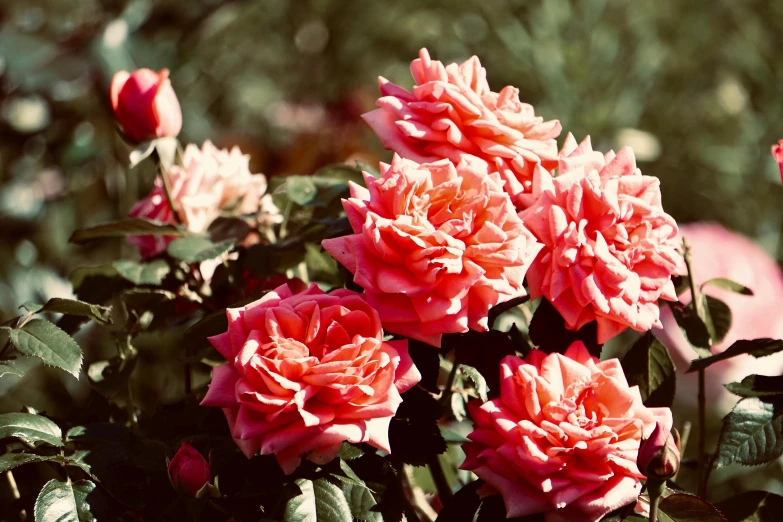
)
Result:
{"points": [[659, 456], [145, 104], [777, 153], [189, 470]]}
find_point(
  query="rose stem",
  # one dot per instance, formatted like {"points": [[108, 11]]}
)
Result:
{"points": [[701, 487]]}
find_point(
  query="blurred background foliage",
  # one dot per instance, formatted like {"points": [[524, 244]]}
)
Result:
{"points": [[694, 87]]}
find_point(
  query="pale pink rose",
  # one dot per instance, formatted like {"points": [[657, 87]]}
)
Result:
{"points": [[434, 246], [718, 252], [306, 372], [777, 153], [562, 438], [609, 248], [210, 182], [452, 113], [145, 104]]}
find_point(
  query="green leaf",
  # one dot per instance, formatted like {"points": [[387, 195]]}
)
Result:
{"points": [[689, 508], [64, 502], [320, 265], [693, 327], [56, 348], [126, 227], [197, 249], [497, 310], [57, 305], [755, 347], [649, 366], [361, 502], [728, 284], [452, 437], [752, 506], [717, 315], [31, 428], [757, 386], [12, 460], [318, 501], [152, 273], [349, 451], [478, 380], [752, 433], [300, 189], [9, 370]]}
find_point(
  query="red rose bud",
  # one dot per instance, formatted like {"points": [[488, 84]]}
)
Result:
{"points": [[659, 456], [145, 105], [189, 470], [777, 153]]}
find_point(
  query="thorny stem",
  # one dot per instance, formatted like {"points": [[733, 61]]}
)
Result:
{"points": [[696, 302], [449, 383]]}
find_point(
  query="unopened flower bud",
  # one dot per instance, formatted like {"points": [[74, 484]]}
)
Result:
{"points": [[659, 456], [145, 104], [189, 470]]}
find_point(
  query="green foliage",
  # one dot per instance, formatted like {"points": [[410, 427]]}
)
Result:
{"points": [[197, 249], [479, 383], [57, 305], [11, 460], [151, 273], [754, 347], [42, 339], [124, 228], [649, 366], [757, 386], [8, 370], [689, 508], [548, 331], [752, 506], [317, 501], [64, 502], [752, 433], [727, 284], [30, 428]]}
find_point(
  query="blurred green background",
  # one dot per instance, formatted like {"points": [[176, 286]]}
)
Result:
{"points": [[695, 87]]}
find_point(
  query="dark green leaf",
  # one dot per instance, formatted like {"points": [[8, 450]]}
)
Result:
{"points": [[361, 502], [549, 333], [64, 502], [12, 460], [463, 505], [717, 316], [425, 358], [414, 435], [225, 228], [752, 433], [498, 310], [8, 370], [483, 351], [320, 265], [757, 386], [319, 501], [42, 339], [57, 305], [752, 506], [31, 307], [452, 437], [689, 508], [197, 249], [126, 227], [349, 451], [31, 428], [693, 327], [152, 273], [728, 284], [649, 366], [479, 384], [300, 189], [754, 347]]}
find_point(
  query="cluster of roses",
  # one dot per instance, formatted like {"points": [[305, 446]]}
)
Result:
{"points": [[476, 200]]}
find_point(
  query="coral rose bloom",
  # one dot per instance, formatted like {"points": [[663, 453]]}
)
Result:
{"points": [[210, 182], [306, 372], [610, 249], [452, 113], [435, 246], [562, 438]]}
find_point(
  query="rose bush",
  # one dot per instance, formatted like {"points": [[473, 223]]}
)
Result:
{"points": [[452, 113], [435, 246], [610, 250], [307, 372]]}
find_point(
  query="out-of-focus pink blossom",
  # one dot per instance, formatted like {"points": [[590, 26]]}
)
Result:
{"points": [[718, 252], [777, 153], [145, 104], [452, 113]]}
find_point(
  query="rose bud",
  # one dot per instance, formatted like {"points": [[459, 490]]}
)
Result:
{"points": [[659, 456], [189, 470], [777, 153], [145, 105]]}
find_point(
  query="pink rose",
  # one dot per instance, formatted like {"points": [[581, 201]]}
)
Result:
{"points": [[659, 456], [609, 248], [188, 470], [306, 372], [145, 104], [777, 153], [435, 246], [718, 252], [210, 182], [562, 438], [452, 113]]}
